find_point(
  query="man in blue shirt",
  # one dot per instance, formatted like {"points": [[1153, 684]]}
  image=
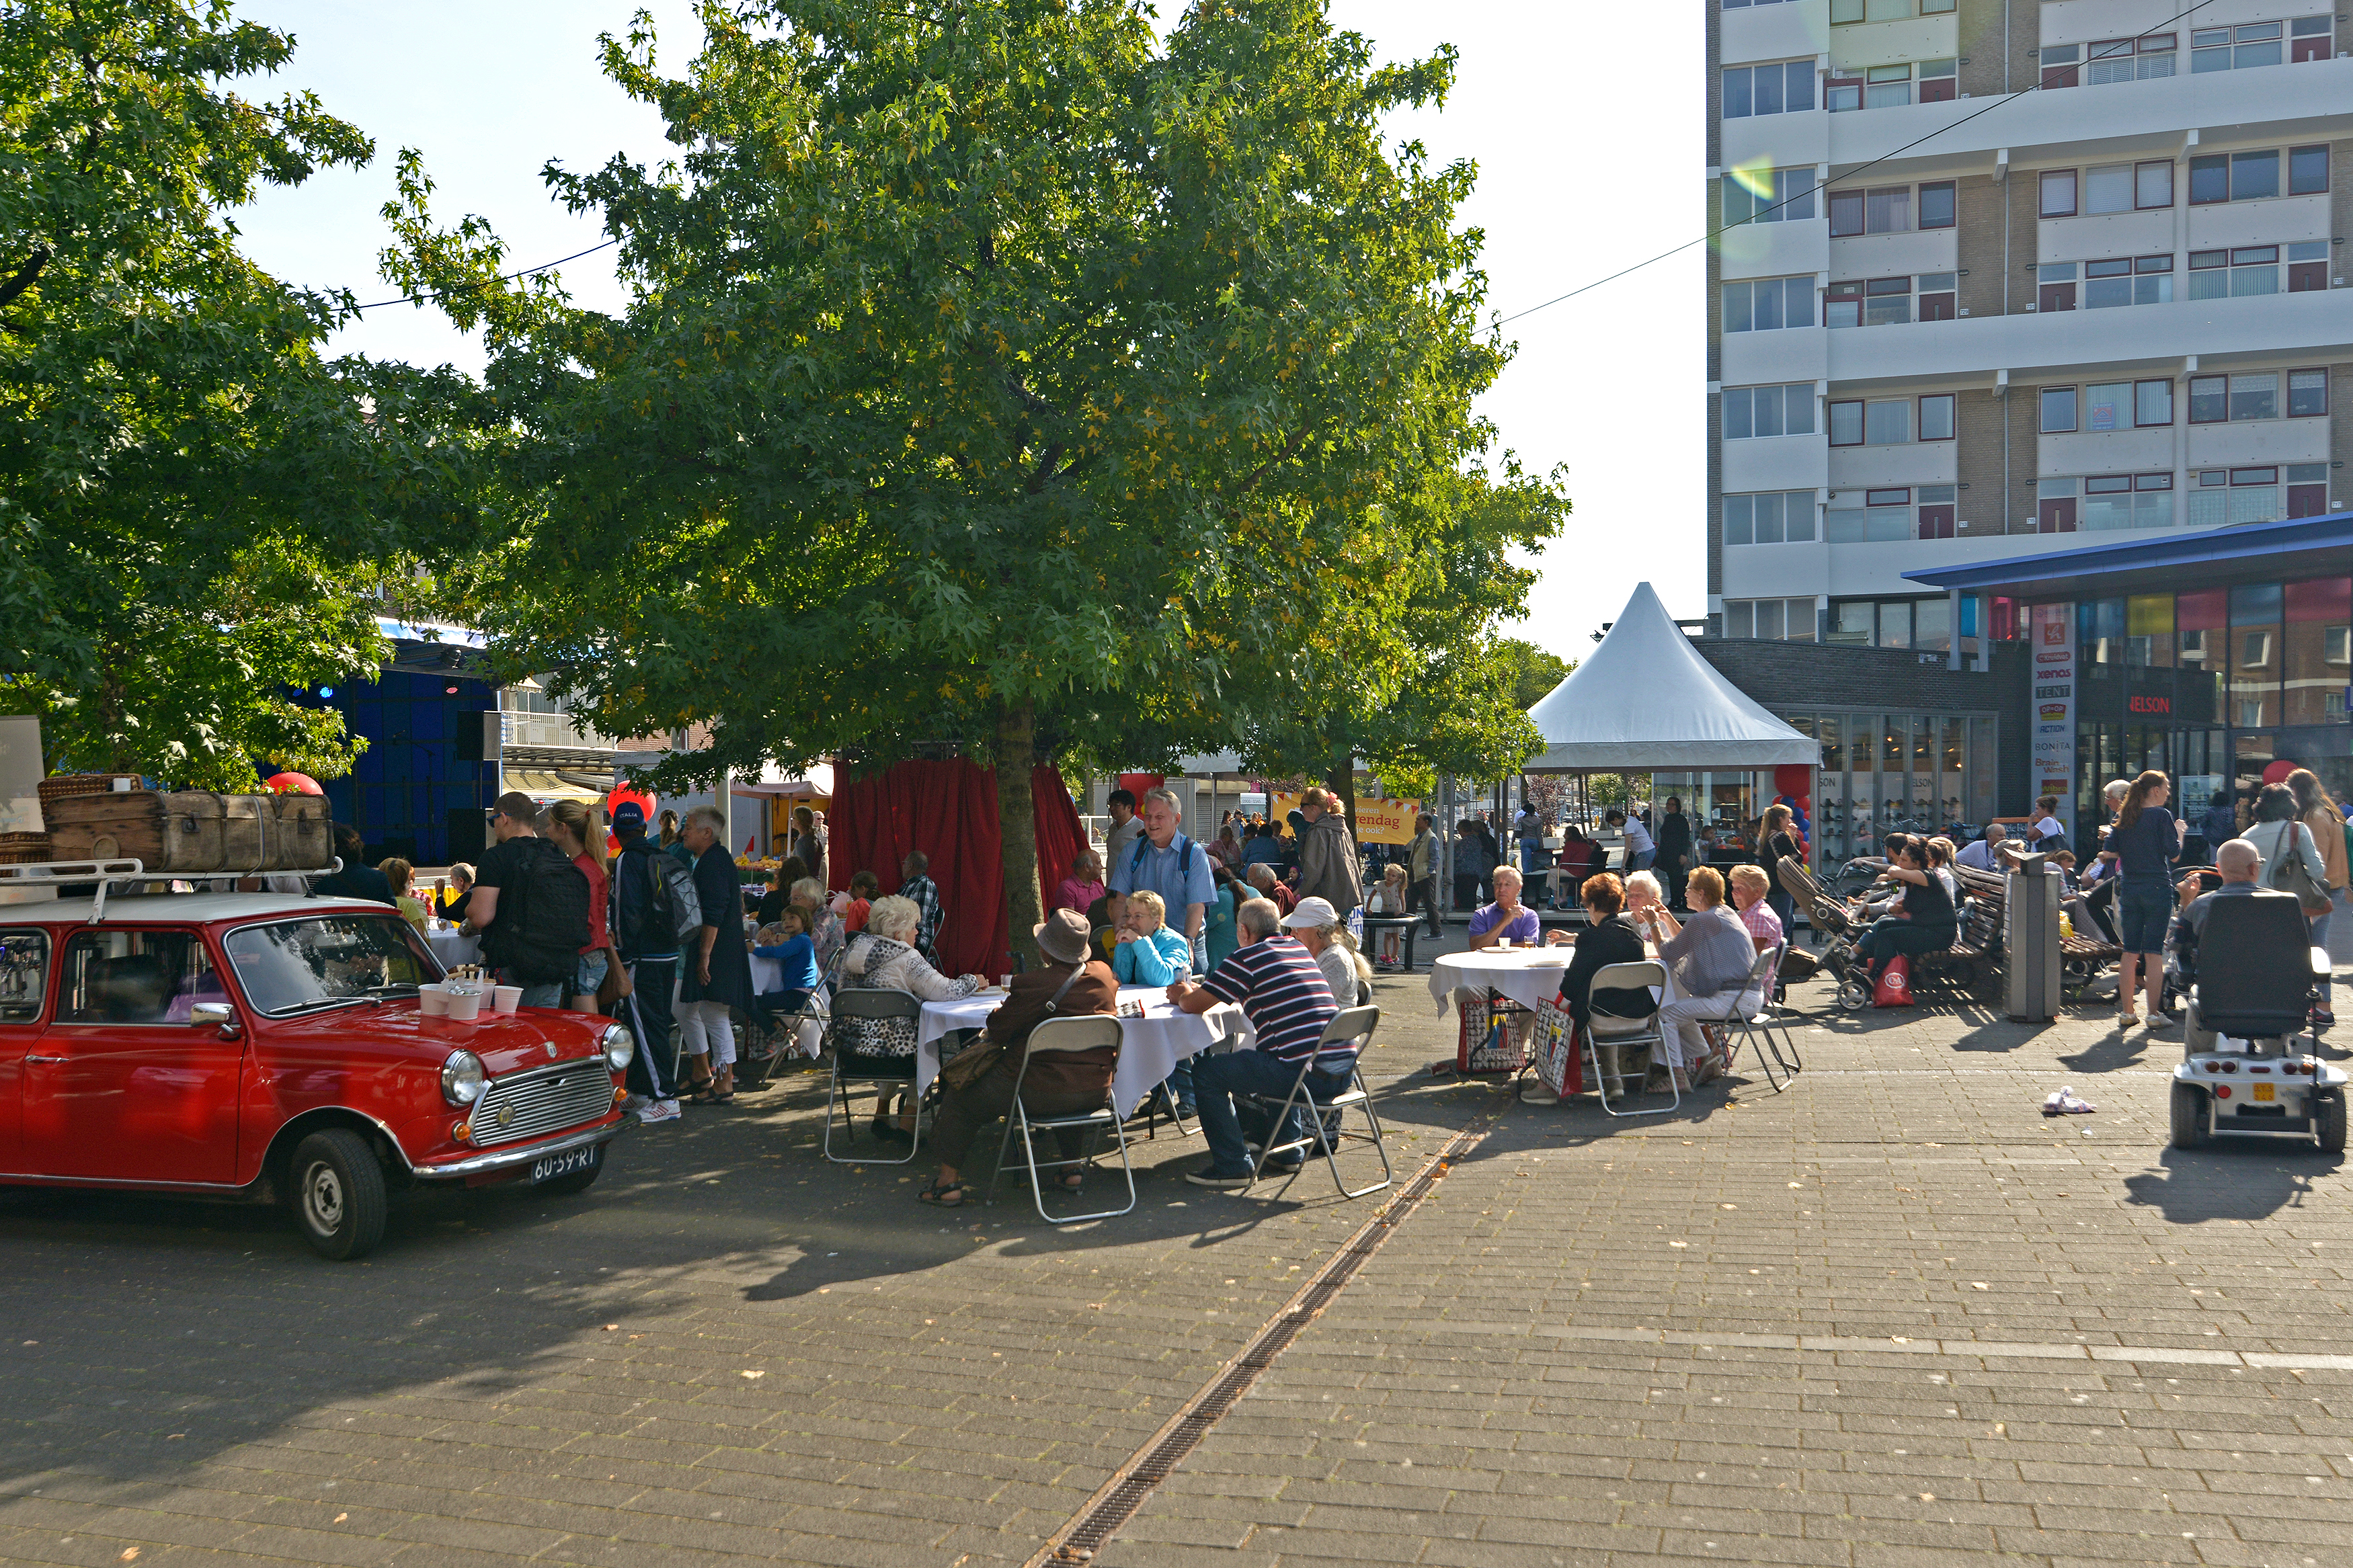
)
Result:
{"points": [[1167, 862]]}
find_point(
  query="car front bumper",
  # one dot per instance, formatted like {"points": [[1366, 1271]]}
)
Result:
{"points": [[493, 1162]]}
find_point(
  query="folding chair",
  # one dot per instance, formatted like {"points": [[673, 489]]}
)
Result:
{"points": [[1081, 1033], [1353, 1024], [1763, 1021], [1620, 1032], [780, 1027], [865, 1003]]}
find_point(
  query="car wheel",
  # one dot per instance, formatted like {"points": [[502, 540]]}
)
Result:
{"points": [[578, 1180], [337, 1194], [2189, 1117], [2328, 1120]]}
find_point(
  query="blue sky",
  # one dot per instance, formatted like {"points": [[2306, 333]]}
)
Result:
{"points": [[1584, 121]]}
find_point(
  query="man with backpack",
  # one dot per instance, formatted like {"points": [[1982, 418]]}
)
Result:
{"points": [[653, 899], [1163, 861], [530, 905]]}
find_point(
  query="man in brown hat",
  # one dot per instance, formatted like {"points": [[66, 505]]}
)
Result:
{"points": [[1067, 984]]}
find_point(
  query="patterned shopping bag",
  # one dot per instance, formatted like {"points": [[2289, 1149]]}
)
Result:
{"points": [[1558, 1067]]}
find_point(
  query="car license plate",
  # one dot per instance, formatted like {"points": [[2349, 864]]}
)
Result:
{"points": [[2264, 1090], [565, 1164]]}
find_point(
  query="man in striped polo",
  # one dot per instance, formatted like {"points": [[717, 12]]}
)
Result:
{"points": [[1281, 990]]}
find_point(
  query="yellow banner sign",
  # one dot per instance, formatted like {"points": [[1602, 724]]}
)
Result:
{"points": [[1377, 821]]}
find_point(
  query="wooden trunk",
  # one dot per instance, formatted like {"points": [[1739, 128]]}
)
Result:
{"points": [[117, 825], [248, 829], [304, 839]]}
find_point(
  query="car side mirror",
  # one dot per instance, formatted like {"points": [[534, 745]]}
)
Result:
{"points": [[219, 1015]]}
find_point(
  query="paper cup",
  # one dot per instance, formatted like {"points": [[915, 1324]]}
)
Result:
{"points": [[1502, 944], [506, 998], [432, 1001], [467, 1006]]}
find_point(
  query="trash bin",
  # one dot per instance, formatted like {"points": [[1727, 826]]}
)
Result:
{"points": [[2030, 941]]}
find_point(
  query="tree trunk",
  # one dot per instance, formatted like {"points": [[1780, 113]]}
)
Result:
{"points": [[1341, 782], [1017, 825]]}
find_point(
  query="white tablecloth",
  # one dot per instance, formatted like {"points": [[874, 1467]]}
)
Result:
{"points": [[1528, 976], [454, 947], [1148, 1046]]}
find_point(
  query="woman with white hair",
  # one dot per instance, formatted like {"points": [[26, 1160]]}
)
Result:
{"points": [[882, 957], [1318, 927]]}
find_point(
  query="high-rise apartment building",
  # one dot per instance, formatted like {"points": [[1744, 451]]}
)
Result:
{"points": [[1954, 312]]}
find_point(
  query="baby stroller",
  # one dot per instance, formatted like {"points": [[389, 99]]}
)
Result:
{"points": [[1829, 919], [2242, 1069]]}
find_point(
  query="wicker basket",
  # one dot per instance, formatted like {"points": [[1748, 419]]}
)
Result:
{"points": [[24, 849], [60, 785]]}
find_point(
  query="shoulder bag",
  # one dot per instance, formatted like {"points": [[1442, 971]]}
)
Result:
{"points": [[2288, 873], [966, 1067]]}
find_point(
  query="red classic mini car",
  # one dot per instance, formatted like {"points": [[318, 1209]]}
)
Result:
{"points": [[269, 1048]]}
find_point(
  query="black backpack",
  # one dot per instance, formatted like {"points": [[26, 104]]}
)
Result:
{"points": [[671, 911], [542, 917]]}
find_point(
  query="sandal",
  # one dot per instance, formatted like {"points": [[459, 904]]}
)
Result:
{"points": [[947, 1194], [1072, 1181], [708, 1095]]}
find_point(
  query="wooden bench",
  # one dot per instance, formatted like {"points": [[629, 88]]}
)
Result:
{"points": [[2081, 958], [1975, 957]]}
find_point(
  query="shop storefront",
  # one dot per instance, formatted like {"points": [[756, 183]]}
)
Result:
{"points": [[2211, 657]]}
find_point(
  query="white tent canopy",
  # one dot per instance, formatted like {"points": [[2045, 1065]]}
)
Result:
{"points": [[1644, 701]]}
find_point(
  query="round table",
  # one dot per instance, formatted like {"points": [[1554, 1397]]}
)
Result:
{"points": [[1149, 1046], [453, 947], [1528, 976]]}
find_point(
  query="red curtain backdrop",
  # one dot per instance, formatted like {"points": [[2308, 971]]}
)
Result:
{"points": [[948, 810], [1059, 837]]}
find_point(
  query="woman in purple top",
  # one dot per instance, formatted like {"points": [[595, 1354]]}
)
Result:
{"points": [[1506, 917]]}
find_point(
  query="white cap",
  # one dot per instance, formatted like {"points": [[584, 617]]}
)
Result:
{"points": [[1312, 912]]}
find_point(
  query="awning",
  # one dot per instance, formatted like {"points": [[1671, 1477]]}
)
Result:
{"points": [[815, 784], [545, 787], [1645, 702], [2168, 563]]}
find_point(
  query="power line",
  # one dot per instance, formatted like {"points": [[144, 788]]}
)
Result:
{"points": [[508, 278], [1850, 173]]}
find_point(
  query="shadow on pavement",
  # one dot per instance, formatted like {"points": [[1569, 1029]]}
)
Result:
{"points": [[2231, 1178]]}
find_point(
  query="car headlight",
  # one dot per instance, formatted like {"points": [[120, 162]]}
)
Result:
{"points": [[462, 1078], [620, 1047]]}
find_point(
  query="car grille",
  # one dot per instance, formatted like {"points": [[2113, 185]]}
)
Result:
{"points": [[527, 1105]]}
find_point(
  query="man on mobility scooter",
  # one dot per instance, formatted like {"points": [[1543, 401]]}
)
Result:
{"points": [[2246, 953]]}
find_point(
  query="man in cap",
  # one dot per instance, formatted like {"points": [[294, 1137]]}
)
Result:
{"points": [[1066, 985], [648, 939]]}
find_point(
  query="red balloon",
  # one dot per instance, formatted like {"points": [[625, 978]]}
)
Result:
{"points": [[292, 783], [1793, 779], [2277, 772], [625, 792]]}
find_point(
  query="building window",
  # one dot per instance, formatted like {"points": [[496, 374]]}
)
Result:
{"points": [[2126, 501], [2110, 62], [1846, 423], [1768, 304], [1884, 516], [1845, 11], [2127, 280], [2307, 490], [1753, 411], [1784, 88], [2108, 188], [2152, 403], [1937, 510], [1937, 416], [2307, 266], [2153, 183], [1770, 517], [1888, 209], [1768, 195], [1890, 302], [1778, 620], [1887, 623], [2240, 47], [2220, 498], [2309, 38], [2058, 193], [2218, 178], [1939, 204], [1887, 423], [2307, 171], [2058, 410], [2236, 273], [2054, 287], [2215, 399], [1893, 87], [2307, 394], [1744, 4]]}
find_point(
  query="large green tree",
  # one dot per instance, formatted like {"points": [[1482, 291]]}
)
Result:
{"points": [[998, 374], [195, 504]]}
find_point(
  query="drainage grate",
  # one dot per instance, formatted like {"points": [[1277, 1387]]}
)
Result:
{"points": [[1116, 1504]]}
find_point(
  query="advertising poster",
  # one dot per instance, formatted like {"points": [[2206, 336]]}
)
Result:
{"points": [[2052, 758], [1376, 822]]}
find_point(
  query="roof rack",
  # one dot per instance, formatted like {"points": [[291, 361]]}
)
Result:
{"points": [[108, 873]]}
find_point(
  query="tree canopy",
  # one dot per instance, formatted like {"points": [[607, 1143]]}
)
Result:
{"points": [[1007, 377], [194, 503]]}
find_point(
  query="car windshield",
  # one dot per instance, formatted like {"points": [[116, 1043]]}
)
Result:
{"points": [[297, 964]]}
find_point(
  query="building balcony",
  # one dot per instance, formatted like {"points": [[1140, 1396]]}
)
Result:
{"points": [[2310, 101], [1777, 463], [2317, 325], [1875, 568]]}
